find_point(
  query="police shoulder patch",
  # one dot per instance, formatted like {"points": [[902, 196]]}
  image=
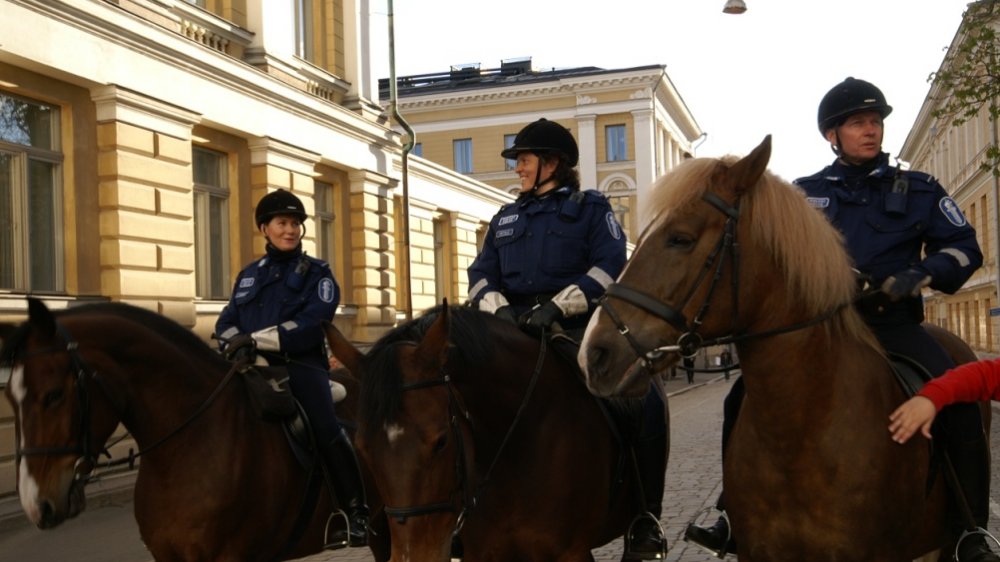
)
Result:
{"points": [[949, 208], [613, 227], [326, 290]]}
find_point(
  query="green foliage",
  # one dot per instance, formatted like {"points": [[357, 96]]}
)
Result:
{"points": [[970, 74]]}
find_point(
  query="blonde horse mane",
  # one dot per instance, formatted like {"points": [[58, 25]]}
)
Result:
{"points": [[800, 241]]}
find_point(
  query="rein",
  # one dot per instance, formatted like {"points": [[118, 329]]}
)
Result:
{"points": [[454, 401], [690, 341], [84, 374]]}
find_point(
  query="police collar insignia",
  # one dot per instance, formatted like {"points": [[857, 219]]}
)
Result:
{"points": [[818, 202], [246, 282], [507, 220]]}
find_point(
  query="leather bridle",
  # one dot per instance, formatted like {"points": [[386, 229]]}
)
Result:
{"points": [[84, 449], [456, 413], [690, 341]]}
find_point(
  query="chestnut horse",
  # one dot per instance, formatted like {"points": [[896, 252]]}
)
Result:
{"points": [[476, 430], [215, 481], [732, 253]]}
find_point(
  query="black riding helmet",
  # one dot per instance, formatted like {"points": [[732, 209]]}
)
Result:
{"points": [[544, 136], [279, 202], [847, 98]]}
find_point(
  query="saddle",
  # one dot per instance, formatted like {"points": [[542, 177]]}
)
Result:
{"points": [[910, 374], [624, 415]]}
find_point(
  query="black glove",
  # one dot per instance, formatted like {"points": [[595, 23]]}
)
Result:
{"points": [[241, 348], [506, 313], [541, 318], [906, 284]]}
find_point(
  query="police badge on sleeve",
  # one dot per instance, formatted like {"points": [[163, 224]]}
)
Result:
{"points": [[951, 211], [326, 290]]}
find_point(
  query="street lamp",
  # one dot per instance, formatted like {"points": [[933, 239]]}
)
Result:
{"points": [[734, 7]]}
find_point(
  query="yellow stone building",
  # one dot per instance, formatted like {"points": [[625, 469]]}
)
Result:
{"points": [[137, 135], [631, 124], [955, 155]]}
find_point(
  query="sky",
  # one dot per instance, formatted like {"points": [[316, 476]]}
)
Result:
{"points": [[742, 77]]}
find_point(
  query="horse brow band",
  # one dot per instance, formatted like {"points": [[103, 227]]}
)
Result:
{"points": [[717, 202]]}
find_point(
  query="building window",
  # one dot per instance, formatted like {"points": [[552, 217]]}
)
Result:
{"points": [[617, 150], [31, 250], [211, 224], [326, 236], [509, 163], [418, 149], [303, 30], [463, 155]]}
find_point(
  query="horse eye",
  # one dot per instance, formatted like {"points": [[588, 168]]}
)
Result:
{"points": [[52, 397], [440, 444], [680, 242]]}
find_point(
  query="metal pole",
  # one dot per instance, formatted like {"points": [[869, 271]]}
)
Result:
{"points": [[404, 275], [995, 345]]}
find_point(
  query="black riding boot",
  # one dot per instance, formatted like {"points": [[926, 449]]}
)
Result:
{"points": [[715, 538], [342, 464], [644, 539], [972, 466]]}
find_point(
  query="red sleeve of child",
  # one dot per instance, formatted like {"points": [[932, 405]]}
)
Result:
{"points": [[972, 382]]}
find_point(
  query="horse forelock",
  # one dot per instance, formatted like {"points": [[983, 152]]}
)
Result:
{"points": [[381, 396]]}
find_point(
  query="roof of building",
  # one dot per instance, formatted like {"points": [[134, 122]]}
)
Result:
{"points": [[471, 76]]}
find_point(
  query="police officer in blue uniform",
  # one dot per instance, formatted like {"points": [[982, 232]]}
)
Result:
{"points": [[276, 310], [546, 259], [903, 233]]}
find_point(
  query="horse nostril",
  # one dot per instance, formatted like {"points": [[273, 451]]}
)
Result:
{"points": [[46, 515], [597, 360]]}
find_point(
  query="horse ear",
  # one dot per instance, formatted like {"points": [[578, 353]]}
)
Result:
{"points": [[343, 350], [745, 173], [433, 349], [40, 318]]}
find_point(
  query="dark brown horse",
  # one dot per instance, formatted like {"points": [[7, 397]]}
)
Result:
{"points": [[215, 482], [732, 252], [473, 429]]}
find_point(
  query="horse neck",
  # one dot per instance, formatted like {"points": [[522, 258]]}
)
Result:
{"points": [[811, 374], [155, 388]]}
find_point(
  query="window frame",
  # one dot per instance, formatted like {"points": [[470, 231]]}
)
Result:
{"points": [[207, 285], [462, 154], [24, 242], [616, 143]]}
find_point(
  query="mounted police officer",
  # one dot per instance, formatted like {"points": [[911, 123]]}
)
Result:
{"points": [[546, 259], [276, 310], [903, 233]]}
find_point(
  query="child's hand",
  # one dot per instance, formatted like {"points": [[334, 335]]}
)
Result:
{"points": [[916, 413]]}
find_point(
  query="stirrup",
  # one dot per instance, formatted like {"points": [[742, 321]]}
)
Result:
{"points": [[662, 554], [723, 552], [327, 545], [977, 531]]}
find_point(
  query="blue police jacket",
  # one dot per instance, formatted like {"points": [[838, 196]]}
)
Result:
{"points": [[889, 227], [281, 300], [538, 246]]}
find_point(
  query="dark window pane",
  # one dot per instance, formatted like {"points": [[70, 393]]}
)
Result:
{"points": [[42, 225], [6, 222]]}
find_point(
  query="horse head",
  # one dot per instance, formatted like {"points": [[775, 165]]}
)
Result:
{"points": [[414, 434], [730, 250], [59, 432]]}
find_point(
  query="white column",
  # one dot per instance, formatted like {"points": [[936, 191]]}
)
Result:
{"points": [[645, 165], [358, 38], [273, 26], [586, 138]]}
